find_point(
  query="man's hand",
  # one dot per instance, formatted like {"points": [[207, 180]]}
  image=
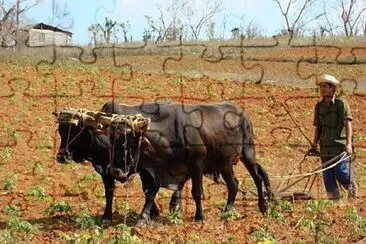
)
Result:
{"points": [[313, 151], [349, 148]]}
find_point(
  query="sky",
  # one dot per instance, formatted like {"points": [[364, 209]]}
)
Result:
{"points": [[87, 12]]}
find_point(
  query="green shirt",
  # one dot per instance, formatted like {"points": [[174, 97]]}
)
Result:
{"points": [[330, 122]]}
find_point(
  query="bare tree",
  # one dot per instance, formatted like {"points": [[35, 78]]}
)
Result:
{"points": [[352, 14], [198, 19], [125, 27], [363, 24], [210, 31], [61, 16], [326, 25], [94, 31], [107, 29], [11, 14], [168, 25], [297, 14]]}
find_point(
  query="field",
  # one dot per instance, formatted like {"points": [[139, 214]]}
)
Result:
{"points": [[45, 202]]}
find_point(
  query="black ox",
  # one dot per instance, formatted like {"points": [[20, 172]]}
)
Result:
{"points": [[79, 142], [175, 142]]}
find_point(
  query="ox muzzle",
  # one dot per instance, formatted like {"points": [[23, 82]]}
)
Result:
{"points": [[64, 157], [118, 174]]}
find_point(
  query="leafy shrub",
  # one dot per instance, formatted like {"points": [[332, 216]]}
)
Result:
{"points": [[84, 220], [58, 207], [10, 182], [230, 215], [276, 209], [38, 192], [175, 218], [124, 236], [11, 210]]}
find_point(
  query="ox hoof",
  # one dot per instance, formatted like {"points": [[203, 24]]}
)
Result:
{"points": [[154, 212], [263, 207], [199, 218], [106, 222], [143, 220]]}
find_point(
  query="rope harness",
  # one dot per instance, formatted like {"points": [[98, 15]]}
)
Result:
{"points": [[124, 125], [71, 117]]}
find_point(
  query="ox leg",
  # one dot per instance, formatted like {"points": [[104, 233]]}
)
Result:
{"points": [[266, 182], [176, 201], [197, 174], [108, 182], [253, 171], [150, 193], [154, 212], [232, 186]]}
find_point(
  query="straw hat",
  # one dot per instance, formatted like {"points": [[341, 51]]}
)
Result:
{"points": [[325, 78]]}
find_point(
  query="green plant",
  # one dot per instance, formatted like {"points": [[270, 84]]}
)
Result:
{"points": [[124, 236], [11, 210], [360, 222], [230, 215], [175, 218], [100, 83], [123, 208], [308, 224], [6, 154], [276, 209], [36, 168], [84, 220], [220, 204], [315, 206], [10, 181], [92, 236], [263, 236], [8, 237], [58, 207], [39, 193], [22, 226]]}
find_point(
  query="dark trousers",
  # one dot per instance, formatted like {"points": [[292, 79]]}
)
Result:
{"points": [[341, 174]]}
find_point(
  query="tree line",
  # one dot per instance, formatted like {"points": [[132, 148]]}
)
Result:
{"points": [[197, 20]]}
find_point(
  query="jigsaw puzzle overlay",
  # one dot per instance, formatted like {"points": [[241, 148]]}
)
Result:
{"points": [[273, 83]]}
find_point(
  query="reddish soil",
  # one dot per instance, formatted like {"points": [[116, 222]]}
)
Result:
{"points": [[29, 140]]}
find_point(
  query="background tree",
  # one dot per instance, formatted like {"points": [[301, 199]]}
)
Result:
{"points": [[298, 14], [94, 32], [12, 16], [107, 29], [235, 32], [210, 30], [125, 27], [61, 16], [168, 25], [352, 13], [197, 19]]}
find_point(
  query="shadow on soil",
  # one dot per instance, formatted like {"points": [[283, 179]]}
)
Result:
{"points": [[68, 222]]}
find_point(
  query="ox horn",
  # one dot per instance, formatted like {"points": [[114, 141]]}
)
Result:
{"points": [[56, 114]]}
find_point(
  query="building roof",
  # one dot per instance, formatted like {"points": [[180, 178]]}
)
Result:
{"points": [[43, 26]]}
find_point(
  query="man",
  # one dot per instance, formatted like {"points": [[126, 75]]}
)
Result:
{"points": [[333, 131]]}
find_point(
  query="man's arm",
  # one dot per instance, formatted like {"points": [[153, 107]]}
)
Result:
{"points": [[316, 137], [348, 127]]}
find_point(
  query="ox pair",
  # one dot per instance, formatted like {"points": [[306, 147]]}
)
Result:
{"points": [[168, 144]]}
